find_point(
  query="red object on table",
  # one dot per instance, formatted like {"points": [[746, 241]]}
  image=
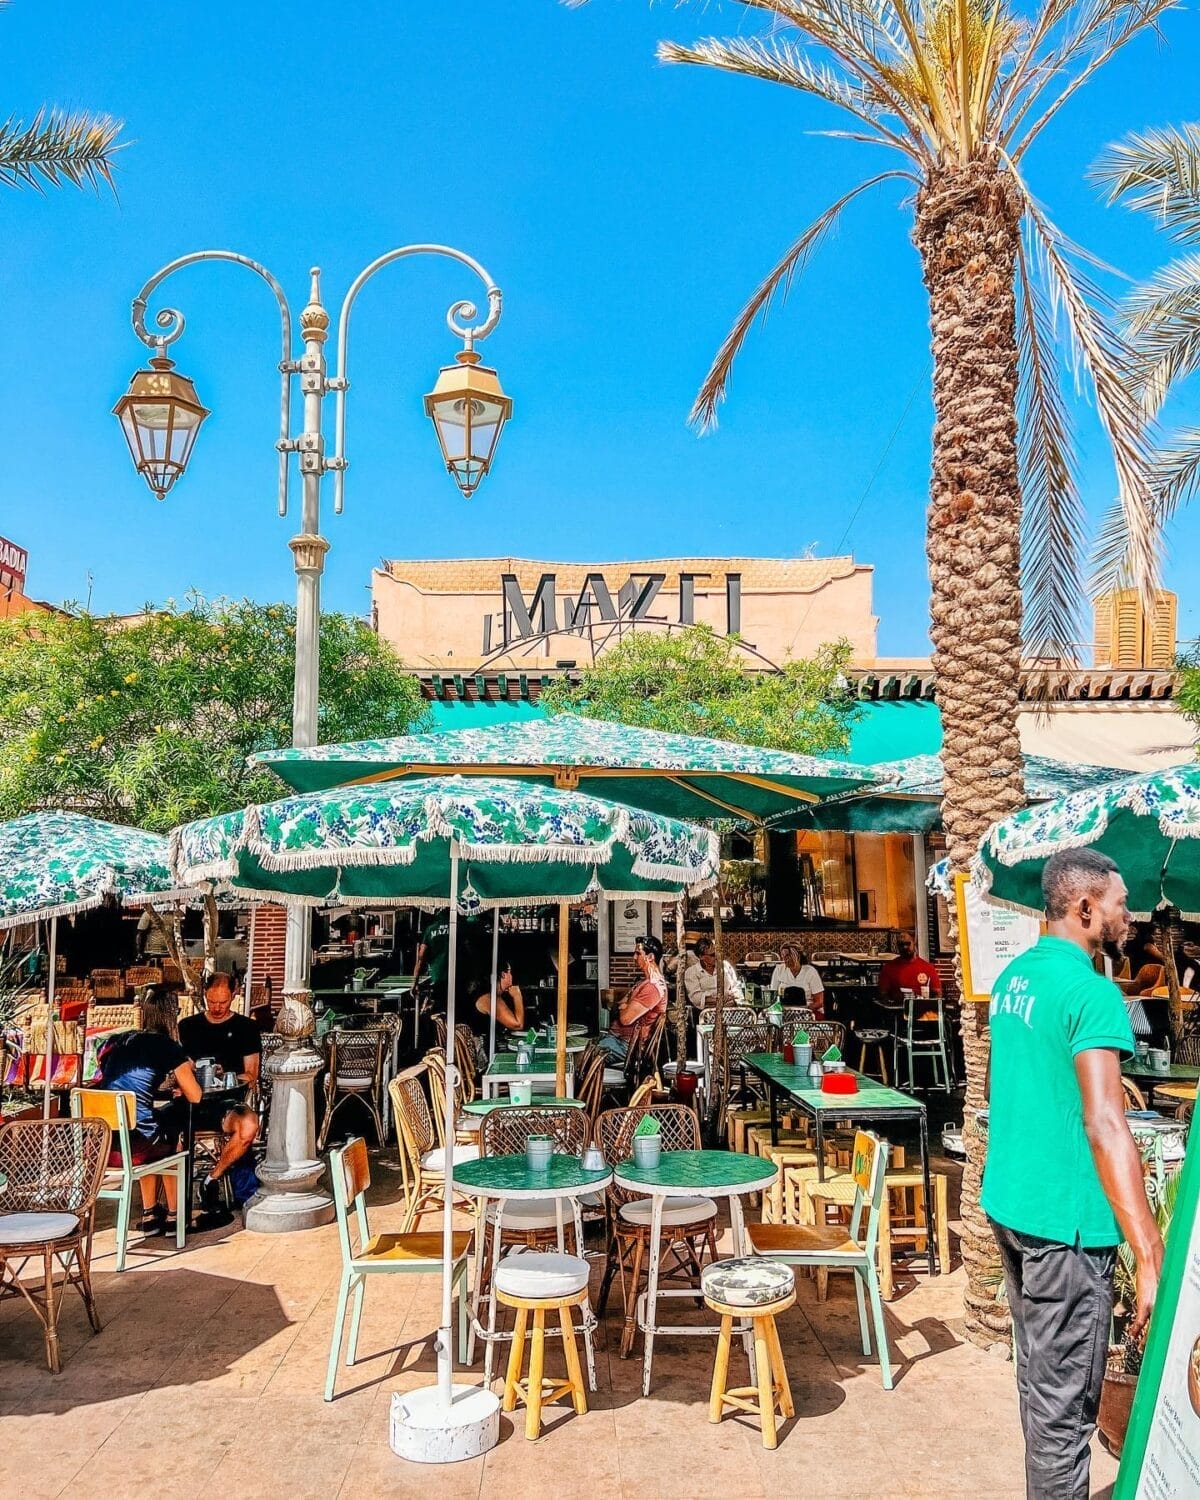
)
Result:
{"points": [[789, 1054], [839, 1083]]}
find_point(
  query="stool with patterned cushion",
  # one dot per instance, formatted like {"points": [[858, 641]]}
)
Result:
{"points": [[534, 1281], [878, 1038], [755, 1288]]}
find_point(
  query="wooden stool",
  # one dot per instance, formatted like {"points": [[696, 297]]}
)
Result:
{"points": [[537, 1283], [752, 1288], [908, 1218], [738, 1121], [873, 1039], [793, 1163]]}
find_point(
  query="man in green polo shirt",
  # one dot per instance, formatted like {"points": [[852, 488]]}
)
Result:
{"points": [[1063, 1180]]}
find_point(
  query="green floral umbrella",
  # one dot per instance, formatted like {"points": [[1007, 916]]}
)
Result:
{"points": [[911, 802], [519, 843], [1149, 824], [447, 841], [679, 775], [53, 864]]}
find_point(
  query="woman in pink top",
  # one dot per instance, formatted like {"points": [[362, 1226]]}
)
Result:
{"points": [[645, 1003]]}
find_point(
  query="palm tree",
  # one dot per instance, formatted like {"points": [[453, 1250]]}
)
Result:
{"points": [[1158, 173], [957, 91]]}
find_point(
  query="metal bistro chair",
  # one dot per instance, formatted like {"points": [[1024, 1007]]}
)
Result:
{"points": [[51, 1171], [688, 1224], [118, 1110], [922, 1034], [355, 1071], [531, 1223], [380, 1254], [832, 1247]]}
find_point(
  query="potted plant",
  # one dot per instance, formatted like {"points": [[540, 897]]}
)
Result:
{"points": [[647, 1143], [360, 977], [1125, 1356]]}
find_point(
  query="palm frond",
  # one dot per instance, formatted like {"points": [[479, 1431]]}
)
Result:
{"points": [[1098, 348], [1177, 471], [778, 62], [1156, 172], [1052, 514], [1162, 321], [1099, 31], [58, 147], [704, 410]]}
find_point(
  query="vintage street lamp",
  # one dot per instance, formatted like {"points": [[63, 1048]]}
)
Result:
{"points": [[160, 415], [468, 410]]}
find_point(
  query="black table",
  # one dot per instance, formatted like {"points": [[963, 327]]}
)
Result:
{"points": [[874, 1102]]}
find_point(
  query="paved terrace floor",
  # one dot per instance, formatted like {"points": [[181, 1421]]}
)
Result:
{"points": [[207, 1379]]}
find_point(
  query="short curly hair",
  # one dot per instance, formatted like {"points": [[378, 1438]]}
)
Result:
{"points": [[1070, 875]]}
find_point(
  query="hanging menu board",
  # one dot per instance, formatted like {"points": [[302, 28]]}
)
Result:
{"points": [[990, 937], [1161, 1457], [629, 922]]}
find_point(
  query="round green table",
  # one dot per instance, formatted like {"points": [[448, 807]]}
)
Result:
{"points": [[687, 1174], [564, 1180]]}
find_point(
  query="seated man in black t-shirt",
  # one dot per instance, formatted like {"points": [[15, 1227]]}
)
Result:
{"points": [[235, 1043]]}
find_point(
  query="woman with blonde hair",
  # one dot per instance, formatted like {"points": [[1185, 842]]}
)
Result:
{"points": [[139, 1063]]}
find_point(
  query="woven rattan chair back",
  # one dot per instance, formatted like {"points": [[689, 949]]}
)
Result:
{"points": [[732, 1015], [439, 1030], [435, 1078], [53, 1166], [411, 1110], [467, 1059], [679, 1130], [506, 1132], [1187, 1050], [797, 1015], [826, 1034], [356, 1057], [589, 1084]]}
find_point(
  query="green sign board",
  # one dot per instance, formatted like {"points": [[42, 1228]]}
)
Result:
{"points": [[1161, 1457]]}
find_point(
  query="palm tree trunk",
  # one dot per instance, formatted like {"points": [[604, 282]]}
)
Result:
{"points": [[967, 231]]}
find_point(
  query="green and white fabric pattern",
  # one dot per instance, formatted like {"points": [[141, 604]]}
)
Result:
{"points": [[1149, 824], [679, 775], [53, 864], [392, 843]]}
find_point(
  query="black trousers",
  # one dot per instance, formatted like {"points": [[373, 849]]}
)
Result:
{"points": [[1061, 1301]]}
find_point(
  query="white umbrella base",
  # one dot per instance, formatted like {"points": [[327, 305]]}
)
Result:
{"points": [[425, 1430]]}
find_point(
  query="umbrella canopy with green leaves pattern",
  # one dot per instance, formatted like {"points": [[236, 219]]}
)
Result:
{"points": [[53, 864], [679, 775], [911, 802], [519, 841], [1149, 824]]}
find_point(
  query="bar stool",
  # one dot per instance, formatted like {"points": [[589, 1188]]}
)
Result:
{"points": [[537, 1282], [874, 1039], [756, 1288]]}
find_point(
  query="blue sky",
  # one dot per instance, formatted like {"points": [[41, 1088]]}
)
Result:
{"points": [[627, 210]]}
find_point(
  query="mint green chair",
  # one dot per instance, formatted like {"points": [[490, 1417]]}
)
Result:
{"points": [[832, 1247], [380, 1254], [119, 1110]]}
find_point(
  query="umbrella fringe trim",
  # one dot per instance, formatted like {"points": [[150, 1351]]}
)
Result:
{"points": [[48, 913]]}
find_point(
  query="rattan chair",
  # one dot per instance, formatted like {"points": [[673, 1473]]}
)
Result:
{"points": [[533, 1222], [466, 1127], [355, 1071], [422, 1160], [272, 1043], [589, 1082], [51, 1171], [688, 1224]]}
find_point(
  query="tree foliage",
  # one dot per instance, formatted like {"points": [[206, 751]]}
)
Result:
{"points": [[693, 681], [150, 721]]}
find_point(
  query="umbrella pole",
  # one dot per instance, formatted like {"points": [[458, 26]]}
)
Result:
{"points": [[445, 1348], [495, 981], [560, 1035], [51, 985]]}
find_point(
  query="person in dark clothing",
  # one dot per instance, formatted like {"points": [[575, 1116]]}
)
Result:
{"points": [[235, 1043], [139, 1063], [510, 1006]]}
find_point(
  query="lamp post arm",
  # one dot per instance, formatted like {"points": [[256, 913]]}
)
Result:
{"points": [[468, 331], [171, 321]]}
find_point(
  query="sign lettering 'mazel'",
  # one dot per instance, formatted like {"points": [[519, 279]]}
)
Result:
{"points": [[546, 612], [14, 562]]}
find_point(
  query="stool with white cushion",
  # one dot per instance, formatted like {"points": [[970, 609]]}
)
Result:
{"points": [[755, 1288], [537, 1282]]}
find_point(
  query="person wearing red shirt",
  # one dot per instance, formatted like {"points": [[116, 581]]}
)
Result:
{"points": [[907, 972]]}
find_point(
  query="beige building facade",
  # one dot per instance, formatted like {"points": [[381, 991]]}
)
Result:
{"points": [[517, 614]]}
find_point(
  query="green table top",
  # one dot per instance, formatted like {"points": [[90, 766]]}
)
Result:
{"points": [[700, 1169], [540, 1101], [511, 1174], [504, 1065], [794, 1081], [1176, 1073]]}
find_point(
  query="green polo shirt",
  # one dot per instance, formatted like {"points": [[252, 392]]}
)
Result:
{"points": [[1047, 1006], [436, 941]]}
